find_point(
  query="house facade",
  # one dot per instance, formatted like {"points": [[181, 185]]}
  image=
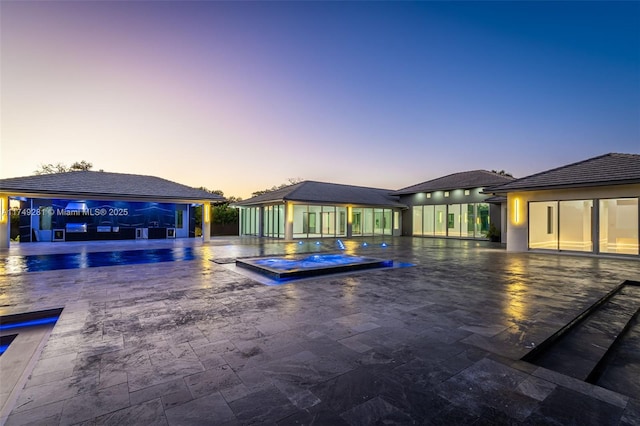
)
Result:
{"points": [[586, 207], [313, 209], [453, 206], [90, 206]]}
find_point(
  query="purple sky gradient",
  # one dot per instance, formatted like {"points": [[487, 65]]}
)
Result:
{"points": [[242, 96]]}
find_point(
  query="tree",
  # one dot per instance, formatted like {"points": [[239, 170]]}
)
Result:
{"points": [[290, 181], [50, 168], [502, 173], [222, 213], [81, 166]]}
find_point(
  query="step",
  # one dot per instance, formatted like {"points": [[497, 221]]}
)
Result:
{"points": [[582, 348], [619, 371]]}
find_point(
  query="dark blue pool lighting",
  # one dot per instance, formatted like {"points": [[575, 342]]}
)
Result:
{"points": [[48, 262], [29, 323], [17, 323]]}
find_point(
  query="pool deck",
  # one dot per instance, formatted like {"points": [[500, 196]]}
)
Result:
{"points": [[199, 342]]}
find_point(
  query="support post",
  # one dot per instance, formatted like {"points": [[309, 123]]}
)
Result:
{"points": [[5, 222], [206, 221]]}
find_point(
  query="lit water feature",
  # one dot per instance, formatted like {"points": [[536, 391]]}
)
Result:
{"points": [[293, 267]]}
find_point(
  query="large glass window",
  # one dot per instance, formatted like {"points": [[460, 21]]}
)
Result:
{"points": [[418, 228], [311, 221], [281, 221], [575, 225], [300, 221], [328, 221], [341, 230], [249, 217], [441, 220], [453, 220], [387, 222], [618, 226], [482, 219], [428, 222], [356, 222], [273, 223], [267, 226], [543, 227], [367, 222]]}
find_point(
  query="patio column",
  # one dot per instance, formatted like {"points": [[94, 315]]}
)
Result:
{"points": [[206, 221], [5, 222]]}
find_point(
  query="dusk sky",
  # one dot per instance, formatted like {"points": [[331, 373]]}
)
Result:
{"points": [[241, 96]]}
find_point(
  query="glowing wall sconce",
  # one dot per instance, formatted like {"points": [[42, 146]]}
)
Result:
{"points": [[349, 215], [206, 211], [516, 211], [289, 213], [4, 212]]}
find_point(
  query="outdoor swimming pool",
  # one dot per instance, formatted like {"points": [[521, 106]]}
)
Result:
{"points": [[49, 262], [292, 267]]}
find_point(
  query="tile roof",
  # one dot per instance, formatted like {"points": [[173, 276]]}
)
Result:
{"points": [[607, 169], [332, 193], [96, 184], [462, 180]]}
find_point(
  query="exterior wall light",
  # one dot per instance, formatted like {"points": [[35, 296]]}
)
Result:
{"points": [[4, 209], [289, 212], [206, 211]]}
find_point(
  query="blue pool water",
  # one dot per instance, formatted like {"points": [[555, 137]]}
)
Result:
{"points": [[295, 267], [49, 262], [309, 262]]}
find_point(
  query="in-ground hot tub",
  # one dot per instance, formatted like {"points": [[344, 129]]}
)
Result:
{"points": [[291, 267]]}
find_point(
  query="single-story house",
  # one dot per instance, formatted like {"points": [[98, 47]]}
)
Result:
{"points": [[586, 207], [313, 209], [88, 205], [453, 206]]}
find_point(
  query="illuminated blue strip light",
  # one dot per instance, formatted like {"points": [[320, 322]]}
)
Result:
{"points": [[3, 348], [29, 323]]}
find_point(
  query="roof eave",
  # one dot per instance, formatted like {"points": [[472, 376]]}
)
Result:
{"points": [[103, 196], [499, 190]]}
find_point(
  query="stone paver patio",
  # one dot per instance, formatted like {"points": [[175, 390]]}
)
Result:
{"points": [[198, 342]]}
